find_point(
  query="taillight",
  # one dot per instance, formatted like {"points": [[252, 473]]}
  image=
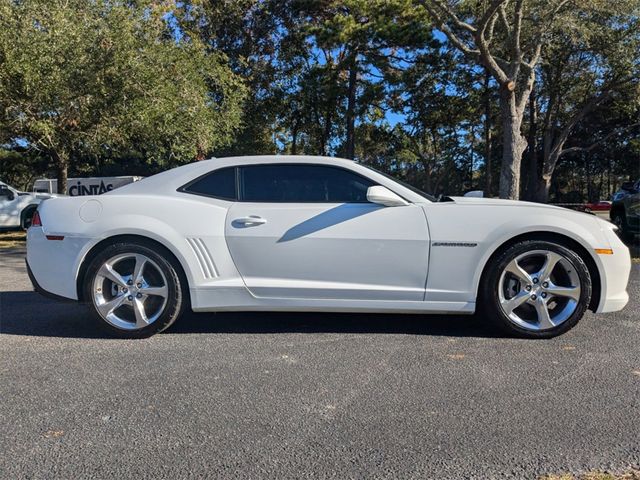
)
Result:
{"points": [[35, 220]]}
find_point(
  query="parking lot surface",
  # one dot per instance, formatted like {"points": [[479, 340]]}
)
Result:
{"points": [[272, 395]]}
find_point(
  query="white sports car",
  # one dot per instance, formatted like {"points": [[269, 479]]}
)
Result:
{"points": [[320, 234]]}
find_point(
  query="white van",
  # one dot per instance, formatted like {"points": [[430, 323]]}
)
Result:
{"points": [[84, 186]]}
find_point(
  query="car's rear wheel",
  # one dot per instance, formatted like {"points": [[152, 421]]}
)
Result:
{"points": [[537, 289], [133, 291]]}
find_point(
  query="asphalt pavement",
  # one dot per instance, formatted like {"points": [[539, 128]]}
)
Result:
{"points": [[272, 395]]}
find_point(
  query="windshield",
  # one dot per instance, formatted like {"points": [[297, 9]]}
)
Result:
{"points": [[431, 198]]}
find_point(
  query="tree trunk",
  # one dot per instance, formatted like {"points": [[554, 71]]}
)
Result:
{"points": [[542, 189], [487, 135], [471, 154], [61, 161], [543, 186], [327, 130], [514, 144], [294, 135], [531, 172], [351, 106]]}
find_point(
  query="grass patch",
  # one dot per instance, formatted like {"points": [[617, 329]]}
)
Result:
{"points": [[631, 475], [12, 239]]}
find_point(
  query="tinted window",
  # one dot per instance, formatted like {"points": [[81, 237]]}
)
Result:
{"points": [[302, 183], [219, 184]]}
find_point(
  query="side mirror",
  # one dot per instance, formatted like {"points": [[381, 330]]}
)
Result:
{"points": [[383, 196]]}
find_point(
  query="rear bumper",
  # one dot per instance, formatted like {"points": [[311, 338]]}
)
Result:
{"points": [[42, 291], [53, 264]]}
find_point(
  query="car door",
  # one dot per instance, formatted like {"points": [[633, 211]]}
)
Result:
{"points": [[308, 231]]}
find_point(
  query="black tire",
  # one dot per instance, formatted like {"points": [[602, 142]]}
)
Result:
{"points": [[175, 301], [491, 307], [27, 215]]}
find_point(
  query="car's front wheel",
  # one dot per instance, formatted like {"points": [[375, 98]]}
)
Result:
{"points": [[536, 289], [133, 291]]}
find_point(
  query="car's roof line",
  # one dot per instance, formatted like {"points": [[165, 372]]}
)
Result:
{"points": [[171, 180]]}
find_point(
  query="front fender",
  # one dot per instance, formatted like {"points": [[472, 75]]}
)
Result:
{"points": [[464, 238], [588, 238]]}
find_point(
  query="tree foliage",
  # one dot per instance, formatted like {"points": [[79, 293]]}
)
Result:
{"points": [[450, 95], [511, 39], [97, 79]]}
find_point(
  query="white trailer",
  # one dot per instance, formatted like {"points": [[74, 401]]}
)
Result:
{"points": [[84, 186]]}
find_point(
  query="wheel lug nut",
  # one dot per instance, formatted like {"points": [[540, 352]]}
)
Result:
{"points": [[544, 295], [139, 295], [535, 280], [129, 298], [129, 282], [534, 296], [125, 290], [545, 284], [528, 288], [139, 285]]}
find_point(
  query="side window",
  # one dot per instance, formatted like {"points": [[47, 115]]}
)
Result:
{"points": [[218, 184], [302, 183]]}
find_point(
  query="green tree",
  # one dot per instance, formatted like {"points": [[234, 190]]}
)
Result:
{"points": [[315, 68], [592, 69], [105, 77], [371, 41], [511, 38]]}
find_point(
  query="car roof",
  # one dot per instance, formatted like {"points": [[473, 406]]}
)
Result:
{"points": [[168, 182], [172, 179]]}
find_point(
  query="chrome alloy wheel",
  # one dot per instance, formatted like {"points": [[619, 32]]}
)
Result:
{"points": [[539, 290], [130, 291]]}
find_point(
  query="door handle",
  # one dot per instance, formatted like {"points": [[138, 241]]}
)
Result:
{"points": [[249, 221]]}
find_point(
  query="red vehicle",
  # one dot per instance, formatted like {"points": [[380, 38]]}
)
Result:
{"points": [[601, 206]]}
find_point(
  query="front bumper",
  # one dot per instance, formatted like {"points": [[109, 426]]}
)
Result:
{"points": [[614, 272]]}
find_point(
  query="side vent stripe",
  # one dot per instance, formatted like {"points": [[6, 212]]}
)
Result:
{"points": [[203, 255], [191, 243], [207, 257]]}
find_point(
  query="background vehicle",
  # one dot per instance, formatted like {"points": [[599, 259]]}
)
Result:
{"points": [[320, 234], [16, 208], [84, 186], [600, 206], [625, 210]]}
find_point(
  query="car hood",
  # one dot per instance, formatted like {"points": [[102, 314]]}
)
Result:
{"points": [[502, 203]]}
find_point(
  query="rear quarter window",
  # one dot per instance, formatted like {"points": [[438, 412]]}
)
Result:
{"points": [[220, 184]]}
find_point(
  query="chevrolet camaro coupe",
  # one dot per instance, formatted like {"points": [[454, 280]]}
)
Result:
{"points": [[300, 233]]}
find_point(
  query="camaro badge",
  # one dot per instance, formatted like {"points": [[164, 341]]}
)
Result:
{"points": [[454, 244]]}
